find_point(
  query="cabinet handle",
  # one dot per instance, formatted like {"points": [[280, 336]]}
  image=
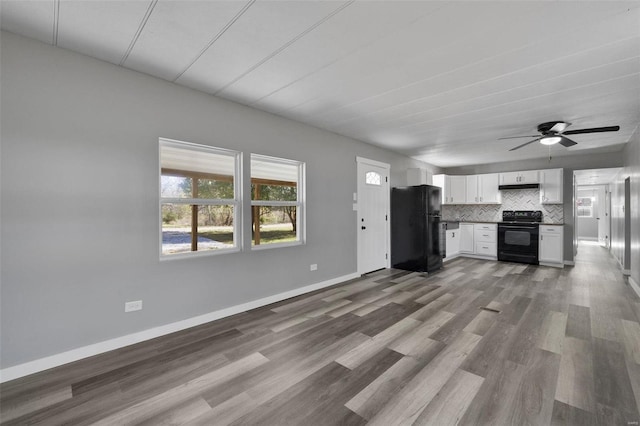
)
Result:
{"points": [[453, 235], [480, 198], [541, 237], [485, 235]]}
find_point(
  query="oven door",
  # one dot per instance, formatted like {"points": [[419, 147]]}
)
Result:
{"points": [[518, 243]]}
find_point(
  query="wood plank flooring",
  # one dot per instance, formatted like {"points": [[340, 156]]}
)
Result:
{"points": [[554, 347]]}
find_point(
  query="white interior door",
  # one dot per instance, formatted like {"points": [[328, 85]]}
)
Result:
{"points": [[602, 216], [373, 215]]}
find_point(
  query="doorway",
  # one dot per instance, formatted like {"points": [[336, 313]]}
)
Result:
{"points": [[373, 215]]}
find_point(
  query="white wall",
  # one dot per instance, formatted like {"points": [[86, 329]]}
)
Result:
{"points": [[79, 204]]}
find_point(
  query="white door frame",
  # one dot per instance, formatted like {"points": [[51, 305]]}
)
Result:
{"points": [[362, 160]]}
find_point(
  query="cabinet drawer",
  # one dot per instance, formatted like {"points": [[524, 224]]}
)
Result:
{"points": [[485, 226], [485, 236], [486, 249], [548, 229]]}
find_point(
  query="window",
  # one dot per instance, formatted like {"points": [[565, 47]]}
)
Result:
{"points": [[199, 198], [585, 207], [373, 178], [277, 201]]}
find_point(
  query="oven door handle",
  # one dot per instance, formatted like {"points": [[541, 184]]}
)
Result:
{"points": [[518, 227]]}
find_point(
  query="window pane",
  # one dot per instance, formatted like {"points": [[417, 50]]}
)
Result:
{"points": [[274, 179], [276, 224], [214, 228], [274, 192], [373, 178], [175, 187]]}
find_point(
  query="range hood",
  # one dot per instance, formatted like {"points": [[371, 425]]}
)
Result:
{"points": [[520, 186]]}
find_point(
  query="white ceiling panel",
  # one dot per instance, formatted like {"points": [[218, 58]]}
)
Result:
{"points": [[596, 176], [102, 29], [483, 52], [33, 19], [327, 44], [177, 32], [262, 31], [441, 81]]}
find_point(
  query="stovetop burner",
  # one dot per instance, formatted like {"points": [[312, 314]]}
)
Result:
{"points": [[521, 216]]}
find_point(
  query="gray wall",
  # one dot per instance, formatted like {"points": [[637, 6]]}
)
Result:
{"points": [[632, 169], [625, 232], [79, 206]]}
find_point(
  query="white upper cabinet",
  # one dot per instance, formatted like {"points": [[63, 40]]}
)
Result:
{"points": [[454, 188], [519, 178], [551, 183], [488, 192], [457, 189], [473, 196], [483, 189]]}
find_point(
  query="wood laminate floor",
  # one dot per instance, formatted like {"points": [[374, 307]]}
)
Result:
{"points": [[551, 346]]}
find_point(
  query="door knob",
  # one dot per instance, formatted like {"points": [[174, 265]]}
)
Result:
{"points": [[363, 227]]}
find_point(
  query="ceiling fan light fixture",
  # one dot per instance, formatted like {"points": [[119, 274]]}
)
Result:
{"points": [[550, 140]]}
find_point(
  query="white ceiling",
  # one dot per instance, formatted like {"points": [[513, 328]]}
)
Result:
{"points": [[441, 81], [596, 176]]}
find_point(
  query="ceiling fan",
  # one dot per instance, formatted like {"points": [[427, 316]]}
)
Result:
{"points": [[553, 132]]}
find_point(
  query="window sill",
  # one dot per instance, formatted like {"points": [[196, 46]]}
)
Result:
{"points": [[276, 245], [197, 254]]}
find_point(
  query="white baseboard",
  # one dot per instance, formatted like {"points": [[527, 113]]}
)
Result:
{"points": [[555, 265], [635, 286], [56, 360]]}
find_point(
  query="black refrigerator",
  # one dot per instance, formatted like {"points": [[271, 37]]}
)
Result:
{"points": [[415, 228]]}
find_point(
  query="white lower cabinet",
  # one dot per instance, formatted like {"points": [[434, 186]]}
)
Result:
{"points": [[550, 249], [453, 243], [466, 238], [479, 239]]}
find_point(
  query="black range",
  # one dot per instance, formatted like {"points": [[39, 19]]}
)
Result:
{"points": [[518, 236]]}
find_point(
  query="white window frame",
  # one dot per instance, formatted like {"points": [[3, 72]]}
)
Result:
{"points": [[236, 202], [300, 203]]}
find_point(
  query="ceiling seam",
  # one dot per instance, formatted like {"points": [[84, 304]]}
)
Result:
{"points": [[143, 23], [285, 46], [56, 21], [215, 38]]}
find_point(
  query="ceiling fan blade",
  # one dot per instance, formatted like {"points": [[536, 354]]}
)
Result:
{"points": [[517, 137], [525, 144], [566, 142], [593, 130]]}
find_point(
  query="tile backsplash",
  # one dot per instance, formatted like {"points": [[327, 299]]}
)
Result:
{"points": [[513, 199]]}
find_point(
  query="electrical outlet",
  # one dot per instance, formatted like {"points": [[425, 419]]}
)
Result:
{"points": [[313, 267], [136, 305]]}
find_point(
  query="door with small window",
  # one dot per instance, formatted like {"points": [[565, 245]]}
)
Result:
{"points": [[373, 215]]}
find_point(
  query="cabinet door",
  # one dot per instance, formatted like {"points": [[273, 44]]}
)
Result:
{"points": [[440, 181], [472, 196], [551, 248], [453, 242], [511, 178], [488, 189], [530, 176], [457, 189], [551, 183], [466, 238]]}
